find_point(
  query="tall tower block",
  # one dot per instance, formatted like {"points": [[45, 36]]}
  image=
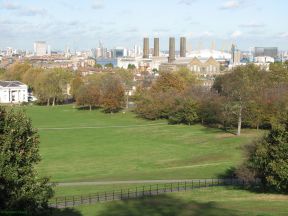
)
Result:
{"points": [[146, 48], [156, 47], [182, 47], [171, 57]]}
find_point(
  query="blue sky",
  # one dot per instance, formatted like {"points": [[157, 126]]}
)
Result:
{"points": [[80, 24]]}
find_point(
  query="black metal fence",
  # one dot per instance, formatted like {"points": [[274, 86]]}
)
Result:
{"points": [[143, 191]]}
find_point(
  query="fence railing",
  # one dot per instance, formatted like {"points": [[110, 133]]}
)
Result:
{"points": [[143, 191]]}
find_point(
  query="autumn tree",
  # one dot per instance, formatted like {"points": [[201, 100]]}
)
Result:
{"points": [[16, 71], [112, 93], [241, 87], [88, 95]]}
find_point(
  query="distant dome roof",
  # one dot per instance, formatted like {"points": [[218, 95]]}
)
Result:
{"points": [[207, 53]]}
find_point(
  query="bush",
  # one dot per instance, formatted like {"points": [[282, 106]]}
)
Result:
{"points": [[268, 160]]}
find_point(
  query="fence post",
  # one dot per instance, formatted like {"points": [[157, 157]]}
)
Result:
{"points": [[185, 186], [157, 190], [143, 191], [199, 183], [73, 201], [128, 193], [136, 193], [65, 202], [192, 184], [105, 196], [113, 194], [150, 191], [56, 203], [178, 186], [121, 195], [171, 187], [81, 199], [98, 198], [212, 182], [89, 198]]}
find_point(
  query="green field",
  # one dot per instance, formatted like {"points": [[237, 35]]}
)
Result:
{"points": [[78, 145], [220, 201]]}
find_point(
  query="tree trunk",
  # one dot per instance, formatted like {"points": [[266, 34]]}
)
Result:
{"points": [[48, 101], [239, 122], [90, 107], [54, 99]]}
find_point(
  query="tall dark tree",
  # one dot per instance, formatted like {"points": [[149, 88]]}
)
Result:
{"points": [[20, 186]]}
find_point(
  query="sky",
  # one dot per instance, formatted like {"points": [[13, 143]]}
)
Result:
{"points": [[81, 24]]}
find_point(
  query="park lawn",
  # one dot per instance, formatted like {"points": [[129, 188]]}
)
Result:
{"points": [[124, 147], [222, 201]]}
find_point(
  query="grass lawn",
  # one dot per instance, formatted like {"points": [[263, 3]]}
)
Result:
{"points": [[86, 146], [217, 201]]}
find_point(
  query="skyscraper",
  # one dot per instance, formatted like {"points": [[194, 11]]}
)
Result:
{"points": [[156, 47], [171, 57], [146, 48]]}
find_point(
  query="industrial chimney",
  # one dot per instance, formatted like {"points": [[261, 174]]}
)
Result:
{"points": [[156, 47], [171, 57], [182, 47], [146, 48]]}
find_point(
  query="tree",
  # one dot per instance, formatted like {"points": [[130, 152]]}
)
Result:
{"points": [[20, 186], [16, 71], [240, 87], [109, 65], [268, 160], [52, 85], [76, 84], [113, 94], [99, 66], [88, 95], [131, 67]]}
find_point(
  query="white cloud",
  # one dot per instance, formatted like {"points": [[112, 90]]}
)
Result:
{"points": [[236, 34], [9, 5], [284, 35], [33, 11], [187, 2], [97, 4], [232, 4], [252, 24]]}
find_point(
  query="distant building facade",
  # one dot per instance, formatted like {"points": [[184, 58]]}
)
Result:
{"points": [[41, 48], [13, 92], [266, 51]]}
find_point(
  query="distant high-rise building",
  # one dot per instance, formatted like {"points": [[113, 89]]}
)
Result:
{"points": [[156, 47], [182, 47], [146, 48], [41, 48], [266, 51], [171, 57], [235, 55]]}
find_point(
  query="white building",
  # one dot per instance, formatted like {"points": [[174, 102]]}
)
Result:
{"points": [[41, 48], [13, 92]]}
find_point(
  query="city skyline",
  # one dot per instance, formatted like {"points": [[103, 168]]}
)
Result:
{"points": [[247, 23]]}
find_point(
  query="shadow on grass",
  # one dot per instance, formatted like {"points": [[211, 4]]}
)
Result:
{"points": [[164, 206], [64, 212], [87, 108]]}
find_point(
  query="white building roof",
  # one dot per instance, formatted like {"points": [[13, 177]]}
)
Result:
{"points": [[207, 53]]}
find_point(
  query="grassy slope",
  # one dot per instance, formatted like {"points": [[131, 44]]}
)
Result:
{"points": [[209, 202], [149, 152]]}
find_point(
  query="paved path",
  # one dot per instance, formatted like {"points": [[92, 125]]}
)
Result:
{"points": [[129, 182], [100, 127]]}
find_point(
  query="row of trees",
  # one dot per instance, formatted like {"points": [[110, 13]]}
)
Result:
{"points": [[48, 85], [107, 91], [248, 96]]}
